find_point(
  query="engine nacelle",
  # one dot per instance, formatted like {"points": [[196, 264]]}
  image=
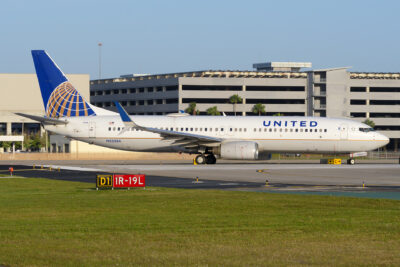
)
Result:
{"points": [[239, 150]]}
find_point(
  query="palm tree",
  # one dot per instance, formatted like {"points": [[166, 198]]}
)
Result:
{"points": [[369, 123], [192, 109], [258, 109], [234, 99], [213, 111]]}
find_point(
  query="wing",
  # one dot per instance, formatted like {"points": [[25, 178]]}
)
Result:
{"points": [[178, 138]]}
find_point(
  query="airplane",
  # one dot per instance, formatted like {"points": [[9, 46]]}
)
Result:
{"points": [[211, 137]]}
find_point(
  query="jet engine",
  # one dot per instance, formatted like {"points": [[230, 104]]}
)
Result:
{"points": [[238, 150]]}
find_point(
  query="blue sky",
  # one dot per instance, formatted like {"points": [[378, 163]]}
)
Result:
{"points": [[176, 36]]}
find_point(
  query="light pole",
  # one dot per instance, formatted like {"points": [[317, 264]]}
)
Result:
{"points": [[100, 45]]}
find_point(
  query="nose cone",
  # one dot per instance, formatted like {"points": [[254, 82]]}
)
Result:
{"points": [[384, 138]]}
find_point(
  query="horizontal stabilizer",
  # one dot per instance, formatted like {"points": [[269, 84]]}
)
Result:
{"points": [[43, 120]]}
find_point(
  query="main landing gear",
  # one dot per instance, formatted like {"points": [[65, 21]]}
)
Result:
{"points": [[206, 159]]}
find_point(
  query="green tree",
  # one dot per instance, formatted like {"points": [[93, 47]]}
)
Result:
{"points": [[369, 123], [35, 142], [258, 109], [6, 145], [192, 109], [213, 111], [234, 99]]}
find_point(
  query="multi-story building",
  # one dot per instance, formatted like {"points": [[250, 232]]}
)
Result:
{"points": [[281, 86]]}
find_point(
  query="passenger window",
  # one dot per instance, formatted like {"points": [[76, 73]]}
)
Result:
{"points": [[325, 130], [296, 130], [291, 130], [255, 129], [205, 129], [301, 130], [119, 129], [191, 129], [109, 128], [270, 129], [280, 129], [265, 129], [222, 129], [196, 129], [244, 129], [113, 128], [201, 129], [235, 129], [216, 129], [286, 129], [320, 130], [306, 130], [181, 129], [259, 129], [210, 129], [274, 129], [240, 129]]}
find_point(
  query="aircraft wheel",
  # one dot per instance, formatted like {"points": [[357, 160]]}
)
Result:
{"points": [[351, 161], [211, 159], [200, 159]]}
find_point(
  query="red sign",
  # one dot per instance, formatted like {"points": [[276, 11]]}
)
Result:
{"points": [[129, 180]]}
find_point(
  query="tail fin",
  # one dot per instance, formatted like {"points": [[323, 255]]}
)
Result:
{"points": [[60, 98]]}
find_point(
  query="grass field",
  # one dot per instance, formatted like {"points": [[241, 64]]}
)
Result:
{"points": [[47, 223]]}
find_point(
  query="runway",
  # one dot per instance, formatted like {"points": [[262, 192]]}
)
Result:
{"points": [[312, 178], [308, 174]]}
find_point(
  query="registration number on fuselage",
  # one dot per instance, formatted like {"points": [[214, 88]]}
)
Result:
{"points": [[113, 140]]}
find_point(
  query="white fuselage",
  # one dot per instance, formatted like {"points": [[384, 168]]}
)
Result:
{"points": [[272, 134]]}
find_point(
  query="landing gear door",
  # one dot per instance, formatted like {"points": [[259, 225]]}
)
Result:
{"points": [[92, 129]]}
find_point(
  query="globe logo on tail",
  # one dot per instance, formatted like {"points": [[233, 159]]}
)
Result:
{"points": [[65, 101]]}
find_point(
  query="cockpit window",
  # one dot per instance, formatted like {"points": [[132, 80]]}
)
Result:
{"points": [[366, 130]]}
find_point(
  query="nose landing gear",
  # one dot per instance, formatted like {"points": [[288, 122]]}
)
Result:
{"points": [[351, 161]]}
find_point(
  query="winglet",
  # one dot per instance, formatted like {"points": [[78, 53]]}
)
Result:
{"points": [[125, 116]]}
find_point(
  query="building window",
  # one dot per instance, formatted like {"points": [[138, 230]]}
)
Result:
{"points": [[171, 88], [211, 88], [358, 89], [358, 114], [358, 102], [276, 88]]}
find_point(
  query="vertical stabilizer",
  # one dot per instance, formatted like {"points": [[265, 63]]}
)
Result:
{"points": [[60, 98]]}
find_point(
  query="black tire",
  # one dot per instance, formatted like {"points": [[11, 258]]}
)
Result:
{"points": [[200, 159], [351, 161], [211, 159]]}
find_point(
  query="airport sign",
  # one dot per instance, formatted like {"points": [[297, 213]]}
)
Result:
{"points": [[104, 181], [128, 180], [120, 180]]}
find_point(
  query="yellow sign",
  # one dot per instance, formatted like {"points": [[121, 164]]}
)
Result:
{"points": [[334, 161], [104, 181]]}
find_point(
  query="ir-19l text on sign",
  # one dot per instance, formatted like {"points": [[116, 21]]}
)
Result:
{"points": [[137, 180]]}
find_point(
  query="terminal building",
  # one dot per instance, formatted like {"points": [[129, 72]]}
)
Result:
{"points": [[285, 88]]}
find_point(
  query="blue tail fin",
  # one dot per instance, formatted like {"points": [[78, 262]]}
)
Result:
{"points": [[60, 98]]}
